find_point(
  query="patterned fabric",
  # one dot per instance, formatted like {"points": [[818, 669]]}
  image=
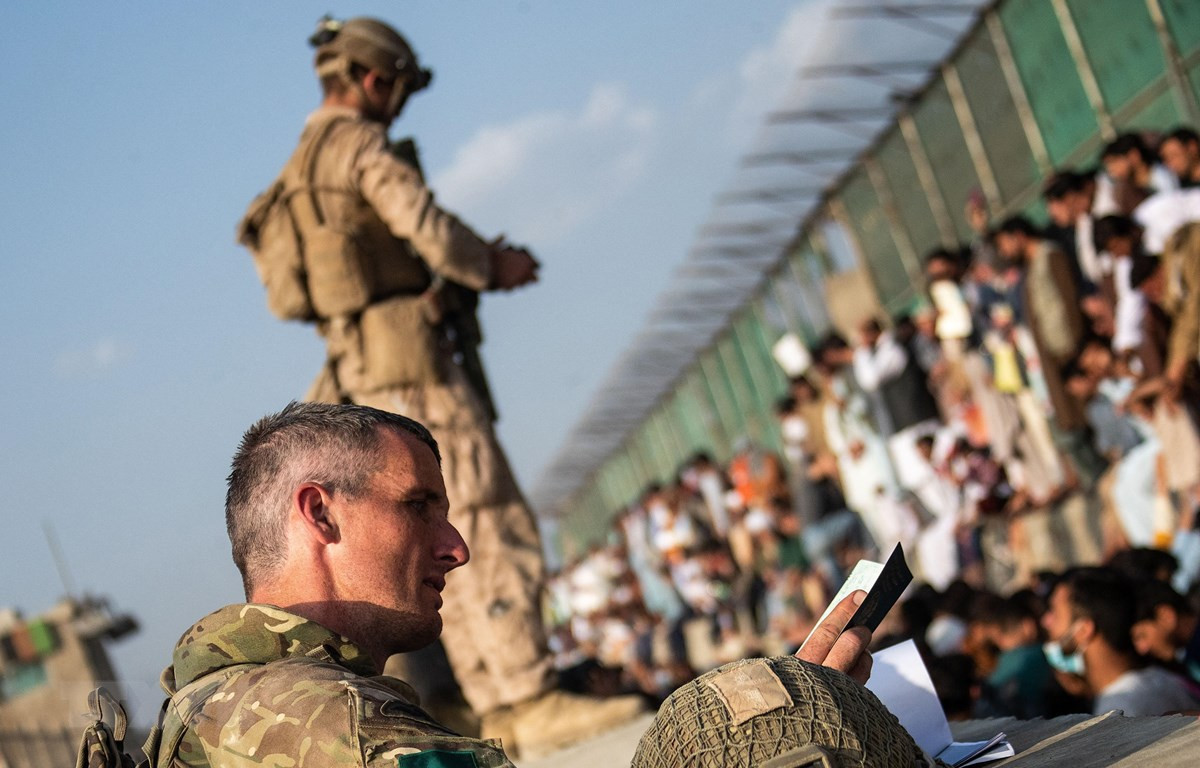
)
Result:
{"points": [[254, 685]]}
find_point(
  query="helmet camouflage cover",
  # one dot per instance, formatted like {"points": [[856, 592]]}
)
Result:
{"points": [[779, 712]]}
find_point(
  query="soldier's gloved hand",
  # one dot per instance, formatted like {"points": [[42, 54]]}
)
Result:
{"points": [[512, 268], [847, 651]]}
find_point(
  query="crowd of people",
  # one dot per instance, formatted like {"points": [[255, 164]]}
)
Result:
{"points": [[1028, 433]]}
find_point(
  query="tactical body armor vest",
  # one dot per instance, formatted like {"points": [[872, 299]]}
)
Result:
{"points": [[320, 251], [324, 256]]}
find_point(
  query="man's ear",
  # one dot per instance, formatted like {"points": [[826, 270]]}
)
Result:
{"points": [[374, 83], [311, 502], [1166, 617], [1087, 631]]}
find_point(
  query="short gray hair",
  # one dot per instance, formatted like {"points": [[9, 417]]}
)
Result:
{"points": [[334, 445]]}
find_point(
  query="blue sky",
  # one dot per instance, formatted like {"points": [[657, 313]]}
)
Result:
{"points": [[136, 342]]}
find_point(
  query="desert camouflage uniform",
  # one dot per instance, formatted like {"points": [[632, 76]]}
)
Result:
{"points": [[254, 685], [494, 603]]}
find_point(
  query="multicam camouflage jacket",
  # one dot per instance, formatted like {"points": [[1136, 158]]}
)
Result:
{"points": [[254, 685]]}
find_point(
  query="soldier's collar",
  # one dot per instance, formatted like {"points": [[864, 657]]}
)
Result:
{"points": [[259, 634], [329, 112]]}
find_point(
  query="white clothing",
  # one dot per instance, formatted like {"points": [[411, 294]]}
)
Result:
{"points": [[1090, 261], [1161, 180], [1136, 486], [1161, 214], [712, 490], [875, 365], [862, 477], [1130, 309]]}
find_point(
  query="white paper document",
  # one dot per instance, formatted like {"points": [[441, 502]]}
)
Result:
{"points": [[862, 577], [883, 583], [900, 680]]}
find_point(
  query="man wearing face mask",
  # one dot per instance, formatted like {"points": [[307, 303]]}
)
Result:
{"points": [[1089, 620]]}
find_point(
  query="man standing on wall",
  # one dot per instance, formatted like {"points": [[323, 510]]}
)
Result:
{"points": [[350, 238]]}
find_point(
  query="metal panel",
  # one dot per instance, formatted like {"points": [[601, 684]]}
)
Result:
{"points": [[1121, 44], [666, 458], [810, 272], [638, 460], [655, 449], [785, 288], [970, 132], [606, 488], [788, 290], [589, 521], [883, 193], [1052, 84], [929, 186], [1084, 67], [814, 288], [688, 418], [612, 493], [1159, 113], [698, 400], [798, 289], [1016, 86], [996, 116], [767, 307], [874, 235], [688, 424], [758, 362], [632, 482], [948, 154], [762, 337], [1176, 73], [647, 454], [670, 435], [763, 370], [1183, 19], [913, 207], [734, 371], [720, 391], [1193, 74], [765, 336], [835, 247]]}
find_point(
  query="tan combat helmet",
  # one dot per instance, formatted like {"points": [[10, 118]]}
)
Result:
{"points": [[775, 713], [372, 44]]}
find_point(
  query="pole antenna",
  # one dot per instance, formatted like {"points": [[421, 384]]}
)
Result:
{"points": [[60, 562]]}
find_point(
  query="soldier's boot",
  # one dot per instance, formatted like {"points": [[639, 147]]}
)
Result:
{"points": [[556, 719]]}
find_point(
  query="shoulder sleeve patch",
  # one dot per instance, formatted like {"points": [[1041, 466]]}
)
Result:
{"points": [[439, 758]]}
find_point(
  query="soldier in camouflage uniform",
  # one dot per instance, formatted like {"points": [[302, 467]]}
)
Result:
{"points": [[338, 520], [255, 685]]}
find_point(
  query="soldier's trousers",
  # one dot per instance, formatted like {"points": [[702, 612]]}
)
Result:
{"points": [[493, 632]]}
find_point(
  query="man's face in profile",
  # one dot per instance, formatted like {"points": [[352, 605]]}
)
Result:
{"points": [[397, 546]]}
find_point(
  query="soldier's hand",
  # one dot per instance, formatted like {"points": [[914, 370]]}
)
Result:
{"points": [[847, 651], [512, 268]]}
